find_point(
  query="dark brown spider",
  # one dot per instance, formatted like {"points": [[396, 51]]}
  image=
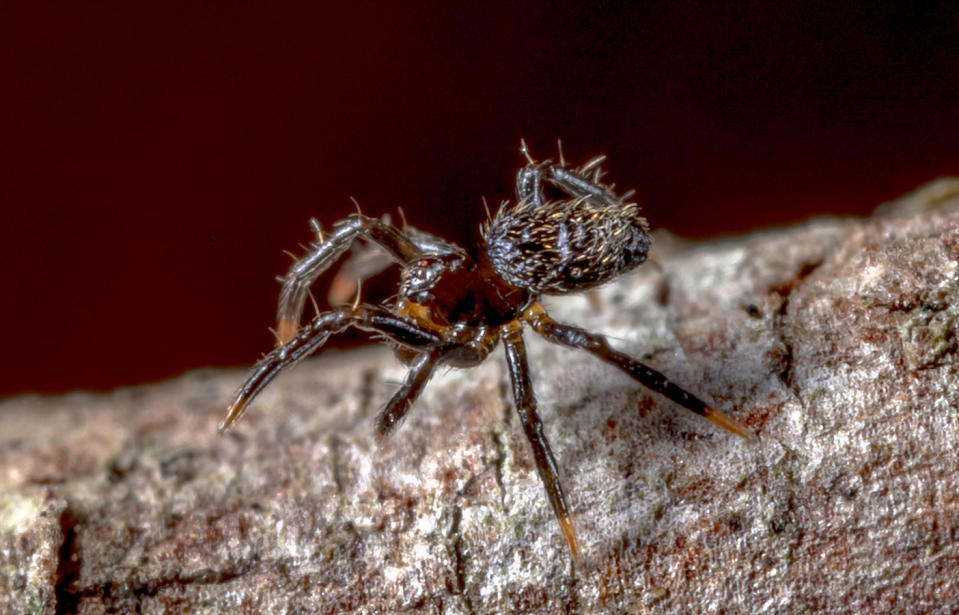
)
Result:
{"points": [[454, 305]]}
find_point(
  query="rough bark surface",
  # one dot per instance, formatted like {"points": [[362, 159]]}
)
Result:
{"points": [[835, 341]]}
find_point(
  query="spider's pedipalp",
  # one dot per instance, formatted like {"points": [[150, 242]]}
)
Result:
{"points": [[369, 259]]}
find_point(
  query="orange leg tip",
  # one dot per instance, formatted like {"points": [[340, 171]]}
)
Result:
{"points": [[728, 424], [233, 414], [567, 526]]}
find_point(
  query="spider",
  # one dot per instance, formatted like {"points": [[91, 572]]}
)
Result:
{"points": [[454, 306]]}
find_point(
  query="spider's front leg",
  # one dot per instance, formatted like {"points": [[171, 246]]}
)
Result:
{"points": [[368, 318], [526, 409], [323, 253]]}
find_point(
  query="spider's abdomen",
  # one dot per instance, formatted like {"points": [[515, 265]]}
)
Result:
{"points": [[566, 246]]}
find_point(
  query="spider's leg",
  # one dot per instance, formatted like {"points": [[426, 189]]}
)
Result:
{"points": [[266, 369], [529, 185], [584, 182], [462, 346], [369, 259], [597, 345], [368, 318], [526, 409], [529, 179], [321, 255], [421, 368]]}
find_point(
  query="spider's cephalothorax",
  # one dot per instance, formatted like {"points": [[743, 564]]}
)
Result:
{"points": [[454, 307]]}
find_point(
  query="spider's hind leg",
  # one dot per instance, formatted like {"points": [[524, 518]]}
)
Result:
{"points": [[597, 345], [584, 182], [323, 253], [526, 409], [578, 182], [529, 184]]}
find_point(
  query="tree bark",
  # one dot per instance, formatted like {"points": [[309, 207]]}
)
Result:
{"points": [[835, 341]]}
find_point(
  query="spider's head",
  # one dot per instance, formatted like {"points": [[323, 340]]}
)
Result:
{"points": [[566, 246], [421, 279]]}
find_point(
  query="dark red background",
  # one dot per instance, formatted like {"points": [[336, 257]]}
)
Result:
{"points": [[158, 160]]}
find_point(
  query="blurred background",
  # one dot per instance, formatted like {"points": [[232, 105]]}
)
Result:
{"points": [[159, 159]]}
